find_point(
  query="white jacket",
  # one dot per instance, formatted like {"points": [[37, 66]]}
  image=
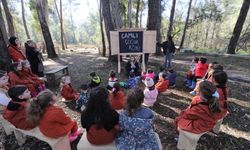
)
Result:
{"points": [[150, 97]]}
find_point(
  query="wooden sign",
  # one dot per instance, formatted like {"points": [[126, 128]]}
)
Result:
{"points": [[131, 42]]}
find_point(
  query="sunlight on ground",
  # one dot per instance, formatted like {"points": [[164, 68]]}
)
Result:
{"points": [[235, 132]]}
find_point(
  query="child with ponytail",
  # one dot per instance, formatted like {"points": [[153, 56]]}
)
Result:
{"points": [[199, 118], [117, 97], [51, 119]]}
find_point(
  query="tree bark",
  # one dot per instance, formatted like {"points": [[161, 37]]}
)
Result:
{"points": [[116, 13], [238, 27], [45, 30], [61, 22], [72, 22], [129, 14], [9, 18], [171, 19], [102, 30], [137, 13], [4, 55], [107, 21], [186, 24], [24, 21], [154, 19], [3, 28]]}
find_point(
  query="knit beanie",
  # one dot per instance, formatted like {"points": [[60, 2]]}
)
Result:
{"points": [[12, 40]]}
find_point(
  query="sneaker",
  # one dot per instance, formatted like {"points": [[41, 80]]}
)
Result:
{"points": [[192, 93]]}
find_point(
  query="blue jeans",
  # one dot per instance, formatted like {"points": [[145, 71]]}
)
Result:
{"points": [[168, 60]]}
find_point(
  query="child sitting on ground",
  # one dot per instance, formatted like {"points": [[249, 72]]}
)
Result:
{"points": [[68, 93], [161, 70], [200, 71], [117, 97], [171, 77], [136, 125], [95, 80], [131, 82], [15, 112], [150, 92], [150, 73], [112, 80], [163, 83], [190, 73], [81, 102], [199, 118]]}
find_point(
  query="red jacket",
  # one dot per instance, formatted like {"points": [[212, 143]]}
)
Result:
{"points": [[32, 76], [162, 86], [55, 123], [200, 70], [197, 118], [101, 136], [68, 92], [22, 80], [117, 102], [16, 53], [17, 116]]}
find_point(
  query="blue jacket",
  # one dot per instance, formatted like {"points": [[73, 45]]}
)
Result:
{"points": [[136, 134]]}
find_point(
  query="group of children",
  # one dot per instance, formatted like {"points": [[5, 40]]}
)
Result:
{"points": [[209, 85], [111, 117]]}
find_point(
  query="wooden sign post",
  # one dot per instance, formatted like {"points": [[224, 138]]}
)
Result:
{"points": [[132, 42]]}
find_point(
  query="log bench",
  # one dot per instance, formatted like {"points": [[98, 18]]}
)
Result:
{"points": [[54, 74]]}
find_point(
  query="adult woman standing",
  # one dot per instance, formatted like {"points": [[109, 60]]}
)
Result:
{"points": [[35, 58], [168, 50]]}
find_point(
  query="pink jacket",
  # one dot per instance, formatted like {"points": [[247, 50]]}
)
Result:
{"points": [[150, 96]]}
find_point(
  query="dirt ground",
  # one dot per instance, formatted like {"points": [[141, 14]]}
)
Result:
{"points": [[235, 131]]}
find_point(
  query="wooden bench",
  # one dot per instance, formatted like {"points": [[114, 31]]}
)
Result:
{"points": [[61, 143], [54, 74]]}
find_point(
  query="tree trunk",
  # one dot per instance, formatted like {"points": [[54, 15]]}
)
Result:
{"points": [[4, 55], [154, 19], [171, 19], [72, 22], [45, 9], [2, 28], [137, 14], [116, 13], [238, 27], [9, 19], [141, 12], [186, 24], [130, 14], [61, 22], [24, 21], [102, 30], [45, 30], [108, 21]]}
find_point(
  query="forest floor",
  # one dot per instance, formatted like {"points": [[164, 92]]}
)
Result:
{"points": [[235, 130]]}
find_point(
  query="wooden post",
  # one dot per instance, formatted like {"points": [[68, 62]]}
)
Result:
{"points": [[119, 64], [143, 62]]}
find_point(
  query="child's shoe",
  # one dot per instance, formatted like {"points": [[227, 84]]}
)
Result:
{"points": [[192, 93]]}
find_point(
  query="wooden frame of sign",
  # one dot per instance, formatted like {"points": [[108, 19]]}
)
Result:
{"points": [[132, 42]]}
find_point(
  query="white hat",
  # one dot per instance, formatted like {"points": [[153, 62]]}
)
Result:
{"points": [[149, 82]]}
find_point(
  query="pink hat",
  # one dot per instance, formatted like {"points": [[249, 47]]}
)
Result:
{"points": [[149, 82]]}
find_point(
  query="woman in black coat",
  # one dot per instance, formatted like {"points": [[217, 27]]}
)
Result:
{"points": [[35, 58]]}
